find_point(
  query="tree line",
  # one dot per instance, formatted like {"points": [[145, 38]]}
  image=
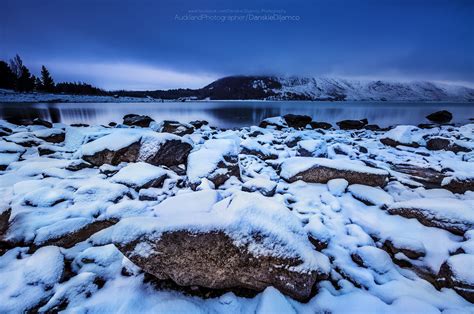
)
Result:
{"points": [[15, 75]]}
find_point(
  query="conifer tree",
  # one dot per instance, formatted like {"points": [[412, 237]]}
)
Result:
{"points": [[46, 80]]}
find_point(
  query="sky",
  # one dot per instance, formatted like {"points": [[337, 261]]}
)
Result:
{"points": [[162, 44]]}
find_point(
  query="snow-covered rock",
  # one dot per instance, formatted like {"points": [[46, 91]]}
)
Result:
{"points": [[321, 170]]}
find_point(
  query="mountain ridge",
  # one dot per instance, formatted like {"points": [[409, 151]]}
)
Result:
{"points": [[262, 87]]}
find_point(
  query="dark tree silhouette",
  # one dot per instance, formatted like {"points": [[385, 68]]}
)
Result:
{"points": [[16, 65], [25, 82], [47, 82], [7, 77]]}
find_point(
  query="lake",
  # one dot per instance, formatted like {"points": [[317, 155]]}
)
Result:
{"points": [[230, 114]]}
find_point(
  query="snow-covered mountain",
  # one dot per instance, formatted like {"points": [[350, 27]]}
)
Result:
{"points": [[306, 88]]}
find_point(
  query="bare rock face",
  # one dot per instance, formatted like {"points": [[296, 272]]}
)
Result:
{"points": [[176, 127], [137, 120], [320, 125], [106, 156], [411, 248], [57, 137], [449, 214], [297, 121], [68, 240], [321, 170], [4, 217], [394, 143], [352, 124], [171, 153], [440, 143], [459, 186], [212, 260], [456, 274], [442, 116]]}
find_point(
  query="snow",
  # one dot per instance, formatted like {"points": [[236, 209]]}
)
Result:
{"points": [[47, 201], [337, 186], [461, 266], [445, 209], [373, 195], [295, 165], [239, 217], [317, 148], [403, 134], [138, 174]]}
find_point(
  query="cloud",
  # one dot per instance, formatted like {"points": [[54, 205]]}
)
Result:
{"points": [[128, 75]]}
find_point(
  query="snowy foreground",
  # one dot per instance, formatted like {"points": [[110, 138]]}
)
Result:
{"points": [[289, 217]]}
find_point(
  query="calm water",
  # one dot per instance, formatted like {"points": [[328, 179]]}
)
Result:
{"points": [[238, 113]]}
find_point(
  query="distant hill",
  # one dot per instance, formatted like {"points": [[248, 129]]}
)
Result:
{"points": [[307, 88]]}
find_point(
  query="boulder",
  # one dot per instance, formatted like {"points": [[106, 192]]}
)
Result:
{"points": [[51, 135], [127, 146], [137, 120], [312, 148], [405, 135], [253, 147], [176, 127], [26, 122], [373, 258], [450, 214], [320, 125], [321, 170], [440, 143], [441, 117], [264, 186], [456, 273], [411, 248], [210, 247], [197, 124], [297, 121], [352, 124], [274, 122], [4, 217], [71, 238], [140, 175], [457, 185], [216, 161], [430, 178]]}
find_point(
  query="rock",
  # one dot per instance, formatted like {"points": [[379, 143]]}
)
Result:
{"points": [[372, 127], [441, 143], [70, 239], [264, 186], [337, 187], [352, 124], [438, 143], [275, 122], [411, 248], [216, 161], [4, 217], [51, 135], [127, 153], [297, 121], [441, 117], [312, 148], [137, 120], [393, 143], [140, 175], [77, 165], [197, 124], [370, 195], [373, 258], [460, 186], [124, 146], [430, 178], [176, 127], [320, 125], [252, 147], [80, 125], [201, 249], [456, 273], [450, 214], [426, 126], [321, 170], [406, 135]]}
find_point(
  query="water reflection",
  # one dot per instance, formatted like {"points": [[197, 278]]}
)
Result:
{"points": [[237, 114]]}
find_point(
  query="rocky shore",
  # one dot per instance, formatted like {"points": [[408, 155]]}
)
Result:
{"points": [[293, 216]]}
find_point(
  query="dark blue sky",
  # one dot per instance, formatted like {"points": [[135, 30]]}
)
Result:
{"points": [[147, 45]]}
